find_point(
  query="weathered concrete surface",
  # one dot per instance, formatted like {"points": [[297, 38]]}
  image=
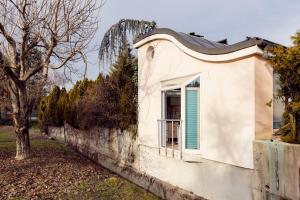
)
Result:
{"points": [[118, 152], [118, 146], [276, 170], [206, 178]]}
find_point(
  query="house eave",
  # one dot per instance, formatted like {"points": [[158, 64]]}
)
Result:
{"points": [[225, 56], [226, 49]]}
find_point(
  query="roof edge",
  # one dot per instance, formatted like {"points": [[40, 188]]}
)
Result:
{"points": [[249, 42]]}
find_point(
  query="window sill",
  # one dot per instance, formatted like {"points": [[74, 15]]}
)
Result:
{"points": [[186, 155], [191, 157]]}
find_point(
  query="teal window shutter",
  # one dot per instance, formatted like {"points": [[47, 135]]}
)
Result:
{"points": [[192, 119]]}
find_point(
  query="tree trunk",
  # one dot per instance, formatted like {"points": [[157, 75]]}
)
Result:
{"points": [[18, 97], [23, 144]]}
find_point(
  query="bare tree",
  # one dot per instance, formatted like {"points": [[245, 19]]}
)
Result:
{"points": [[59, 30]]}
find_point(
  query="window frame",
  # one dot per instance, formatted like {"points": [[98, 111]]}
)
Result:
{"points": [[183, 87]]}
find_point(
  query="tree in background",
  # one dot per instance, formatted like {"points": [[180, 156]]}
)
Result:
{"points": [[100, 102], [61, 107], [52, 108], [123, 79], [111, 100], [286, 63], [52, 103], [58, 30], [117, 36], [42, 117], [72, 108]]}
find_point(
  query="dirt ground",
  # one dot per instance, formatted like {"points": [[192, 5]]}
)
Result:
{"points": [[54, 171]]}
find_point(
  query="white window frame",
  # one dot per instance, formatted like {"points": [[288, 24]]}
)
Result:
{"points": [[182, 86]]}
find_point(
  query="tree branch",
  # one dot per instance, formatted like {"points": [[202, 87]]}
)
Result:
{"points": [[279, 131], [31, 72], [11, 41], [66, 60], [7, 70]]}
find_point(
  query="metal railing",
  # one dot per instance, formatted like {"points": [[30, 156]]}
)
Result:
{"points": [[169, 135]]}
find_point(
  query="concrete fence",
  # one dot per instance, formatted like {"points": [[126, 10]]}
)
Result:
{"points": [[276, 170], [115, 145]]}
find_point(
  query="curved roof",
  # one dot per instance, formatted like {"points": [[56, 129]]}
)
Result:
{"points": [[202, 45], [200, 41]]}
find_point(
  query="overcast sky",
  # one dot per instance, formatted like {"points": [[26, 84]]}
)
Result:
{"points": [[274, 20]]}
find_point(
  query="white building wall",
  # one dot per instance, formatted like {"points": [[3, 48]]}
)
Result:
{"points": [[227, 108], [209, 179], [264, 101], [227, 122], [228, 113]]}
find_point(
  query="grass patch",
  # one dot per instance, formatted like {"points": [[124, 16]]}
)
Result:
{"points": [[7, 140], [115, 188], [46, 144], [83, 186]]}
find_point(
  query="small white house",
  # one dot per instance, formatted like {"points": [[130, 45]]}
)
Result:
{"points": [[201, 106]]}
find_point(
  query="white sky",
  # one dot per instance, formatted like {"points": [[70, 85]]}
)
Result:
{"points": [[274, 20]]}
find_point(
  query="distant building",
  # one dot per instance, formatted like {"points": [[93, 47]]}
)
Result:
{"points": [[5, 116]]}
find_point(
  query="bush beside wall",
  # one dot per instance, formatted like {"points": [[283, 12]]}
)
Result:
{"points": [[109, 102]]}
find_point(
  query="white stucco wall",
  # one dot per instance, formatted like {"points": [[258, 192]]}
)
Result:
{"points": [[264, 101], [227, 101], [209, 179], [227, 120]]}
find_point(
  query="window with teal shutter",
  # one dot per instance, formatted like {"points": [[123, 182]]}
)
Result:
{"points": [[192, 115]]}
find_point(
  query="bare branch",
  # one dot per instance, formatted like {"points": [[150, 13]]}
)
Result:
{"points": [[60, 29], [65, 60], [31, 73], [11, 41], [7, 70], [83, 56]]}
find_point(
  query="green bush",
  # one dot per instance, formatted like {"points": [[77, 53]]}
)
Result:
{"points": [[285, 63], [42, 114], [109, 101], [51, 110]]}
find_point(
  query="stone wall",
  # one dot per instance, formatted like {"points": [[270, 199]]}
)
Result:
{"points": [[276, 170], [113, 144], [119, 152]]}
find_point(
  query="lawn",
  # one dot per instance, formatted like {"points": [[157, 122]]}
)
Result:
{"points": [[57, 172]]}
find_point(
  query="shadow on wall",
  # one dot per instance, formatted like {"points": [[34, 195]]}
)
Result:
{"points": [[264, 101], [228, 119]]}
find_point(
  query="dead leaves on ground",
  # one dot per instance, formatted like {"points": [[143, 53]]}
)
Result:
{"points": [[51, 173], [56, 172]]}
